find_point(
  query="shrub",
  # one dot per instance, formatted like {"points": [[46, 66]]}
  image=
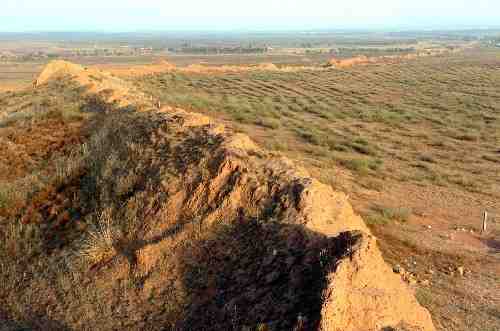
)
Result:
{"points": [[491, 158], [427, 158], [400, 214], [466, 137], [268, 123], [358, 165], [311, 136], [376, 219], [362, 166], [363, 148], [373, 184]]}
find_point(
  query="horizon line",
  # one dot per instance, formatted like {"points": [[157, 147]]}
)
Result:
{"points": [[365, 29]]}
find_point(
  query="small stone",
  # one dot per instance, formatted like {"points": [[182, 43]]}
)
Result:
{"points": [[460, 271]]}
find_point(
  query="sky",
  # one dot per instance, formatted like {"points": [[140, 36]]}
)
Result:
{"points": [[214, 15]]}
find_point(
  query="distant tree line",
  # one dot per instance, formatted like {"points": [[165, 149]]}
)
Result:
{"points": [[220, 50], [373, 50]]}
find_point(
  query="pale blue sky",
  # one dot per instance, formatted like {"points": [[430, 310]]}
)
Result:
{"points": [[135, 15]]}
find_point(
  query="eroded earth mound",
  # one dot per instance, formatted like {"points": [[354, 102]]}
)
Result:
{"points": [[178, 223]]}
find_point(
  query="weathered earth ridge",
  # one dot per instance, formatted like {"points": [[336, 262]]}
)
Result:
{"points": [[242, 238]]}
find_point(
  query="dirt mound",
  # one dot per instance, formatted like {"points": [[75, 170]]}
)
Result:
{"points": [[159, 66], [163, 66], [194, 227], [385, 59], [107, 87], [268, 66], [345, 63]]}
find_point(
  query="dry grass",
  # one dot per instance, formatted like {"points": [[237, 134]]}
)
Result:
{"points": [[101, 242]]}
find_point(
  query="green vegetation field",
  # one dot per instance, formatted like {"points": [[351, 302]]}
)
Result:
{"points": [[432, 121]]}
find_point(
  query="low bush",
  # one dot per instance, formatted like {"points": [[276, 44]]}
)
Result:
{"points": [[268, 123], [362, 166], [400, 214]]}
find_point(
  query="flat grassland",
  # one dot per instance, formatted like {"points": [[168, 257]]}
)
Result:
{"points": [[416, 144]]}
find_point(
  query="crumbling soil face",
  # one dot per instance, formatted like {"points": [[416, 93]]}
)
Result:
{"points": [[194, 227], [359, 297], [265, 273]]}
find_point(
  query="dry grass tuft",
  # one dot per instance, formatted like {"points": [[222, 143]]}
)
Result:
{"points": [[101, 243]]}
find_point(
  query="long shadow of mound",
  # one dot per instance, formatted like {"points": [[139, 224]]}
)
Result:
{"points": [[250, 274]]}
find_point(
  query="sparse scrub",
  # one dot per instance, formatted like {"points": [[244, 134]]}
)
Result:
{"points": [[400, 214], [492, 158], [268, 123], [312, 136], [373, 184], [362, 166], [323, 113], [465, 182], [427, 158], [362, 146], [376, 219]]}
